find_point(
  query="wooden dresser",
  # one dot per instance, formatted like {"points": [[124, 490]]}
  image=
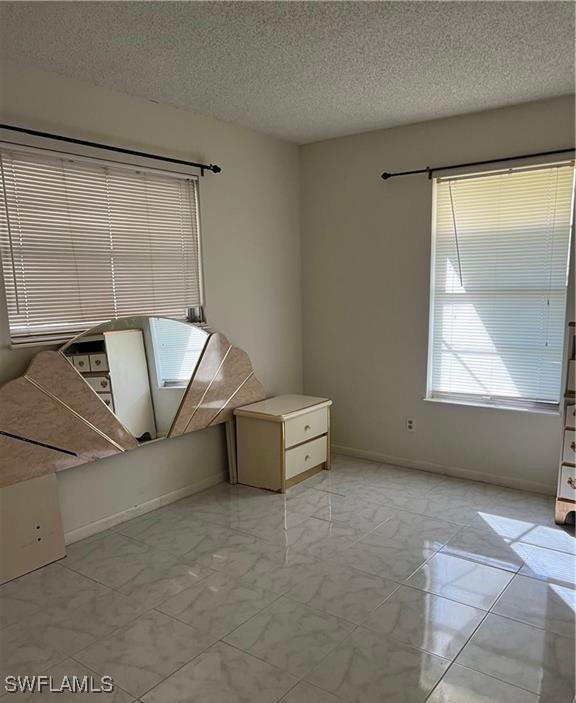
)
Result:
{"points": [[282, 441], [566, 493]]}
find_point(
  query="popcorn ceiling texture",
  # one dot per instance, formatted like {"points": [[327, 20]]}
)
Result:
{"points": [[304, 71]]}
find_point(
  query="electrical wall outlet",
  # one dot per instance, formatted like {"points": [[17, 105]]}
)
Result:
{"points": [[411, 424]]}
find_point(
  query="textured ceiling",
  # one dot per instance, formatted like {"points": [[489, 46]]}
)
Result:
{"points": [[304, 71]]}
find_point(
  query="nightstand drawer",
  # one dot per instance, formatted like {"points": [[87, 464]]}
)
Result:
{"points": [[569, 452], [567, 487], [99, 383], [306, 426], [306, 456]]}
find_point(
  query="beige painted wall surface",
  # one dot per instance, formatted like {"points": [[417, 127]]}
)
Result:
{"points": [[366, 261], [251, 248]]}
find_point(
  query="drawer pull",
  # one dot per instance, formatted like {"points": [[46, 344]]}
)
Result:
{"points": [[573, 446], [306, 428], [103, 384], [307, 457], [571, 482]]}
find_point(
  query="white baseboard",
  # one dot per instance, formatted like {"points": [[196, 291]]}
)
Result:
{"points": [[506, 481], [111, 520]]}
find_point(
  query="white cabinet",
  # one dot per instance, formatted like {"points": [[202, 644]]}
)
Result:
{"points": [[282, 440], [566, 491], [567, 484], [129, 381], [30, 525], [569, 447]]}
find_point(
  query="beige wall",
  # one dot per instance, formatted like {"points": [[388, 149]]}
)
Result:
{"points": [[366, 259], [251, 246]]}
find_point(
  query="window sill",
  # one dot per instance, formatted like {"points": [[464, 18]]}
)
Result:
{"points": [[495, 406]]}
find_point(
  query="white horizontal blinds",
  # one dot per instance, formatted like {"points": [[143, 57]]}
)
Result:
{"points": [[177, 348], [82, 242], [499, 276]]}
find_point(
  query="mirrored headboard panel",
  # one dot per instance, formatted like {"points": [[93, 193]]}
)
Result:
{"points": [[115, 387], [140, 367]]}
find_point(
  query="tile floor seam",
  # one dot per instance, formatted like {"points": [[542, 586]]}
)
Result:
{"points": [[453, 661], [73, 658], [468, 668], [495, 678], [172, 673], [524, 622], [479, 671], [167, 676], [251, 654], [221, 638], [178, 554]]}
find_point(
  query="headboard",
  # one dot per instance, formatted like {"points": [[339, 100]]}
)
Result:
{"points": [[116, 387]]}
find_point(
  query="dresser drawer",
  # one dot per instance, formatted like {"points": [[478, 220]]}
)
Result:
{"points": [[567, 487], [81, 362], [306, 456], [98, 362], [570, 418], [306, 426], [99, 383], [569, 451]]}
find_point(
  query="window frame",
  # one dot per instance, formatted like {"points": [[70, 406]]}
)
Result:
{"points": [[496, 402], [98, 156]]}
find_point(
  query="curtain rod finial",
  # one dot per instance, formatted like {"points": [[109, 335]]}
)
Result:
{"points": [[215, 168], [386, 175]]}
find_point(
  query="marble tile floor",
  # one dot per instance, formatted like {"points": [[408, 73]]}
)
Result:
{"points": [[368, 584]]}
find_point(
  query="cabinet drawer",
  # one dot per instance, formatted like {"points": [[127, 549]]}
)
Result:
{"points": [[567, 487], [98, 362], [569, 453], [107, 398], [570, 419], [99, 383], [305, 457], [304, 427], [81, 362]]}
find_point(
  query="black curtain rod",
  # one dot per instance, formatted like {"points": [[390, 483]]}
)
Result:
{"points": [[119, 150], [432, 169]]}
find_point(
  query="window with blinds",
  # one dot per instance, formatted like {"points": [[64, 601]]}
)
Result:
{"points": [[500, 251], [177, 348], [83, 241]]}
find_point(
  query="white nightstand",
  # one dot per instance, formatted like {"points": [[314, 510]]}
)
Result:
{"points": [[282, 441]]}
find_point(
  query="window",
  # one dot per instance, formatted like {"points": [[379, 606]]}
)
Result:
{"points": [[177, 348], [500, 249], [83, 241]]}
